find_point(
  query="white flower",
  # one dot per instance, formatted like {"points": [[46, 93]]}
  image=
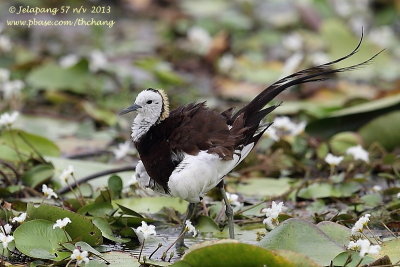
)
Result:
{"points": [[12, 88], [293, 41], [97, 61], [68, 60], [358, 153], [377, 188], [359, 225], [5, 239], [233, 199], [5, 43], [226, 62], [7, 228], [364, 246], [398, 195], [146, 230], [4, 75], [333, 160], [21, 218], [382, 36], [284, 127], [48, 192], [7, 119], [291, 64], [190, 228], [61, 223], [272, 214], [122, 150], [67, 173], [80, 256], [200, 40], [319, 58]]}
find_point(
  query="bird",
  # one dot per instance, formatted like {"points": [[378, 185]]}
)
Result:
{"points": [[188, 151]]}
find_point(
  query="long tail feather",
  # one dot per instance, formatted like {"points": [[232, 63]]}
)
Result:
{"points": [[317, 73]]}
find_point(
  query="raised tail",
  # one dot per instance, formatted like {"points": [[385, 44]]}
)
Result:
{"points": [[253, 112]]}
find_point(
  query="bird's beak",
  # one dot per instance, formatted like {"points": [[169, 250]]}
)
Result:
{"points": [[129, 109]]}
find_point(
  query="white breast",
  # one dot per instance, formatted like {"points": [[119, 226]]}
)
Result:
{"points": [[196, 175]]}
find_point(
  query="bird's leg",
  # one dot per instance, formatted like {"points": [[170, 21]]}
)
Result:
{"points": [[228, 210], [180, 244]]}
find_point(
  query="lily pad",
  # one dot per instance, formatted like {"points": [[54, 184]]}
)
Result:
{"points": [[355, 259], [116, 259], [391, 248], [229, 254], [265, 187], [337, 232], [304, 238], [38, 239], [152, 204], [80, 229], [27, 144], [384, 129]]}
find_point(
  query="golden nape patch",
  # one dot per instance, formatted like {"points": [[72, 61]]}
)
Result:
{"points": [[165, 111]]}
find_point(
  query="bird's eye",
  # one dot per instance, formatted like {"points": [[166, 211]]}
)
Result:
{"points": [[149, 102]]}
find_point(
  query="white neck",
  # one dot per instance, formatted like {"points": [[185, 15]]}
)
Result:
{"points": [[141, 126]]}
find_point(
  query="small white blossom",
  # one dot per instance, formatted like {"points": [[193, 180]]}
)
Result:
{"points": [[364, 246], [292, 63], [145, 230], [6, 239], [293, 41], [319, 58], [12, 88], [67, 173], [358, 153], [97, 61], [48, 192], [272, 214], [377, 188], [61, 223], [122, 150], [233, 199], [68, 60], [359, 225], [5, 43], [21, 218], [382, 36], [283, 127], [226, 62], [190, 228], [8, 119], [398, 195], [199, 39], [6, 229], [4, 75], [80, 256], [333, 160]]}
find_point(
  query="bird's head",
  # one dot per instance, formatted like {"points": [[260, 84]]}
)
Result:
{"points": [[151, 104]]}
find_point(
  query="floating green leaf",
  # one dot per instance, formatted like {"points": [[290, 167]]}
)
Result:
{"points": [[384, 129], [301, 237], [27, 144], [228, 253], [264, 187], [152, 204], [81, 228], [38, 239]]}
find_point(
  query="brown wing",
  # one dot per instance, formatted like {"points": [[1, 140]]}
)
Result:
{"points": [[200, 128]]}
